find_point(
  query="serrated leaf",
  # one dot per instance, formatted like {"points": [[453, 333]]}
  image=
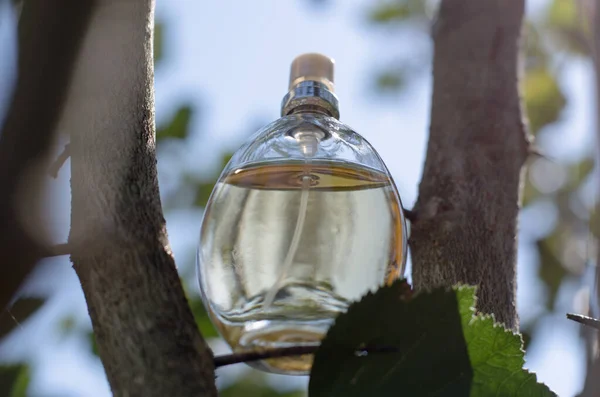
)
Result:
{"points": [[20, 311], [544, 99], [443, 349], [178, 127], [496, 354], [14, 380], [431, 357]]}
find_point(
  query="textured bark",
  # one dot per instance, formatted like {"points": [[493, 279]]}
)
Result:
{"points": [[468, 202], [147, 337], [49, 38]]}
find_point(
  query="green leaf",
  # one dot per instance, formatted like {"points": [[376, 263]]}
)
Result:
{"points": [[250, 387], [159, 38], [67, 325], [93, 344], [203, 194], [14, 380], [431, 357], [496, 354], [390, 81], [204, 324], [562, 13], [204, 189], [526, 339], [543, 96], [530, 193], [18, 313], [579, 172], [536, 54], [397, 11], [179, 126], [22, 383], [390, 12], [574, 33], [443, 349], [224, 161], [551, 271], [595, 220]]}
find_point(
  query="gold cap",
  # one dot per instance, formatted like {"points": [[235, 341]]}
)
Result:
{"points": [[314, 67]]}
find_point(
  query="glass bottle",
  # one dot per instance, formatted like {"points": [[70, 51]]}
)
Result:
{"points": [[304, 219]]}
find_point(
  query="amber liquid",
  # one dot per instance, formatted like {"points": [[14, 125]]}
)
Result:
{"points": [[351, 241]]}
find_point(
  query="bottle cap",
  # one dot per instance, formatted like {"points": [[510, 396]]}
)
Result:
{"points": [[312, 67]]}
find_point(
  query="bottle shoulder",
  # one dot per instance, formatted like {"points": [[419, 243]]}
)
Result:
{"points": [[285, 138]]}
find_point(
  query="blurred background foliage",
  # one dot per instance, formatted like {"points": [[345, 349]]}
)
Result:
{"points": [[561, 35]]}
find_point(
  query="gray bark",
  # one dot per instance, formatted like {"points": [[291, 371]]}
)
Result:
{"points": [[466, 214], [49, 39], [146, 334]]}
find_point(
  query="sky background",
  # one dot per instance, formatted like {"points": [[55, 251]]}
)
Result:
{"points": [[231, 59]]}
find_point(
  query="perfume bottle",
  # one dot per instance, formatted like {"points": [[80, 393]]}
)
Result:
{"points": [[304, 219]]}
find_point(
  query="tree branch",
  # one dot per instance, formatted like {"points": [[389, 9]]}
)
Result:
{"points": [[49, 38], [60, 161], [469, 194], [410, 215], [59, 250], [236, 358], [585, 320], [147, 338]]}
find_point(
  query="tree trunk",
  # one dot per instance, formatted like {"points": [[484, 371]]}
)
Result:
{"points": [[466, 214], [49, 39], [146, 335]]}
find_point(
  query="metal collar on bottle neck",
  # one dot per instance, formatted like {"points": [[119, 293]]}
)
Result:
{"points": [[311, 95]]}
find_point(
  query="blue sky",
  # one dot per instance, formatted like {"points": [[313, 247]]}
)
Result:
{"points": [[232, 60]]}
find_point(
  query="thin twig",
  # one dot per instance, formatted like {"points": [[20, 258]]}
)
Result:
{"points": [[237, 358], [585, 320], [410, 215], [537, 152], [60, 161], [58, 250]]}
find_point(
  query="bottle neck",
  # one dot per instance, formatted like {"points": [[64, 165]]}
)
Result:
{"points": [[310, 109], [310, 96]]}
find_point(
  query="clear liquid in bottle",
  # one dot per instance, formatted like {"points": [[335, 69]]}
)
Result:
{"points": [[352, 241]]}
